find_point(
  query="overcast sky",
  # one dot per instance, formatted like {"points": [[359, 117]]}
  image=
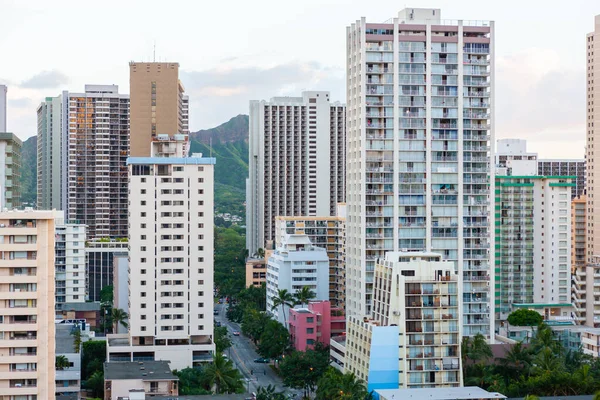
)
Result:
{"points": [[237, 50]]}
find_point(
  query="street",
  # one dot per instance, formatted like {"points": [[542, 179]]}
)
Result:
{"points": [[242, 354]]}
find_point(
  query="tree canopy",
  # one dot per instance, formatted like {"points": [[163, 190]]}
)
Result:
{"points": [[302, 370], [274, 340], [524, 317]]}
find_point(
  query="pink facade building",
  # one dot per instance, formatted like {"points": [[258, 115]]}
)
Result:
{"points": [[317, 323]]}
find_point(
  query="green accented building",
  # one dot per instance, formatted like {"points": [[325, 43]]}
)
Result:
{"points": [[10, 170], [533, 245]]}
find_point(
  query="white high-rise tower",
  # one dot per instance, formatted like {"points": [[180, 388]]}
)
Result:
{"points": [[419, 124]]}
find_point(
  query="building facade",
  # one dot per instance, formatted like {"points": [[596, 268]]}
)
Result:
{"points": [[413, 338], [256, 271], [578, 231], [533, 239], [68, 379], [83, 144], [325, 232], [171, 254], [592, 123], [512, 157], [135, 380], [100, 260], [297, 162], [316, 323], [27, 339], [70, 261], [294, 265], [10, 170], [420, 137], [561, 167], [586, 293], [158, 104]]}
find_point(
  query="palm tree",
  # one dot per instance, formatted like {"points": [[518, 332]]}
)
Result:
{"points": [[76, 340], [479, 350], [95, 384], [223, 376], [62, 362], [531, 397], [119, 316], [334, 385], [304, 295], [352, 388], [516, 361], [269, 393], [596, 396], [260, 253], [283, 299]]}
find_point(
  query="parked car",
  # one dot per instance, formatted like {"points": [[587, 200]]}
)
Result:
{"points": [[262, 360], [236, 333], [217, 324]]}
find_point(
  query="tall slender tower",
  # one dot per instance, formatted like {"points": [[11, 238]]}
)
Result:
{"points": [[592, 124], [419, 123], [158, 105]]}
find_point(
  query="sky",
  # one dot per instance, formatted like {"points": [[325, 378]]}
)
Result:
{"points": [[234, 51]]}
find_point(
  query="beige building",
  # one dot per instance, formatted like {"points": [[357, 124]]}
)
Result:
{"points": [[413, 338], [256, 271], [325, 232], [592, 119], [578, 231], [27, 331], [158, 104]]}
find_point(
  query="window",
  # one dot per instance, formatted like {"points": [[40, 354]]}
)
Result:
{"points": [[200, 168], [200, 180], [200, 237], [201, 248], [200, 202], [143, 214], [201, 214], [200, 270], [142, 226], [310, 341], [200, 225], [143, 294], [310, 330], [143, 202], [201, 327], [143, 305], [143, 260], [143, 283], [310, 320], [143, 237], [143, 248], [143, 317], [177, 169], [143, 191], [200, 259], [200, 191], [143, 271]]}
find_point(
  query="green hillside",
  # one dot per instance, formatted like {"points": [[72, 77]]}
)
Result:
{"points": [[29, 171], [228, 143]]}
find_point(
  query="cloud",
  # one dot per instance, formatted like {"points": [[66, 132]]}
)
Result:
{"points": [[21, 102], [218, 94], [46, 80], [540, 100]]}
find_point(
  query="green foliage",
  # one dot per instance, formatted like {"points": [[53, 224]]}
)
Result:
{"points": [[230, 260], [117, 317], [254, 297], [254, 323], [95, 384], [302, 370], [304, 295], [269, 393], [106, 295], [222, 340], [334, 385], [222, 376], [191, 382], [524, 317], [61, 362], [283, 299], [542, 368], [274, 340], [76, 340], [94, 356]]}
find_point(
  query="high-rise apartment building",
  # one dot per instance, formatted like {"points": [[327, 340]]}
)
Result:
{"points": [[560, 167], [297, 162], [158, 104], [171, 257], [52, 145], [325, 232], [578, 231], [83, 144], [413, 338], [27, 339], [420, 119], [533, 245], [592, 132], [69, 264], [10, 170], [3, 90]]}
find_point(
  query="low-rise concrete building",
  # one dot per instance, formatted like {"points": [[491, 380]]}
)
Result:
{"points": [[256, 271], [122, 379], [315, 324], [462, 393]]}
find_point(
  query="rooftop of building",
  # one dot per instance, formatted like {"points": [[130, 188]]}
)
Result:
{"points": [[451, 393], [171, 160], [10, 136], [64, 338], [30, 213], [87, 306], [144, 370]]}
